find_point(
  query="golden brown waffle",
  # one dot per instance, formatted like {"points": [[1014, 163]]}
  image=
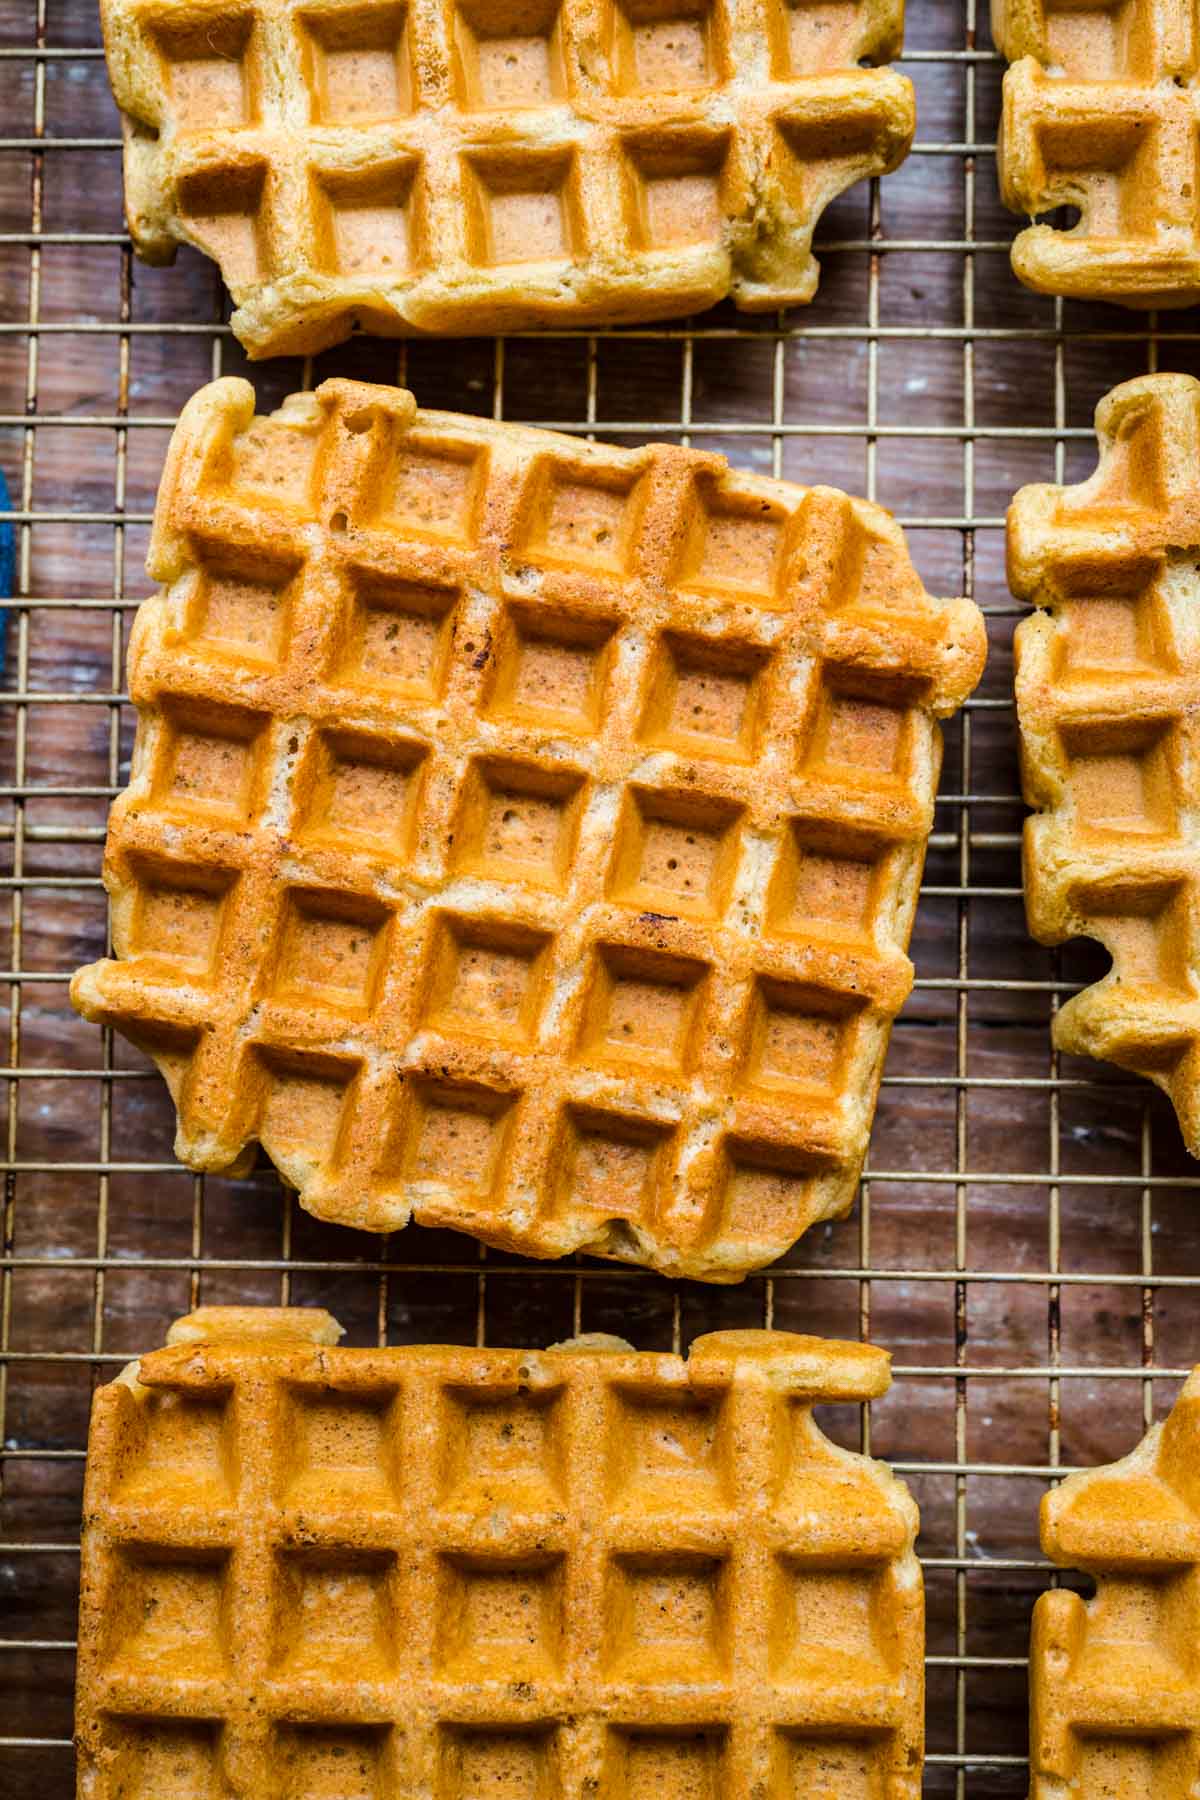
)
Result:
{"points": [[1114, 1687], [328, 1574], [1101, 112], [522, 834], [453, 166], [1108, 676]]}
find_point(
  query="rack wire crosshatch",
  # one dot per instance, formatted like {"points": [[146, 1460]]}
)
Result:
{"points": [[1027, 1242]]}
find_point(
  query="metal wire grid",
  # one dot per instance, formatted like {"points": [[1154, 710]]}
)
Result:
{"points": [[1024, 1242]]}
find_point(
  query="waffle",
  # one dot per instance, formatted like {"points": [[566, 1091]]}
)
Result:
{"points": [[1101, 112], [1114, 1690], [493, 1574], [459, 166], [1108, 676], [522, 835]]}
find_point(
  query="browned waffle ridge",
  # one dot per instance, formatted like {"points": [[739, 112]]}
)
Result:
{"points": [[1114, 1688], [451, 166], [492, 1574], [522, 835], [1107, 675], [1101, 112]]}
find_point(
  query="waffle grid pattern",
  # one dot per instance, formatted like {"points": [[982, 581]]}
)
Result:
{"points": [[1102, 113], [493, 1573], [444, 166], [1115, 1707], [1106, 695], [520, 835]]}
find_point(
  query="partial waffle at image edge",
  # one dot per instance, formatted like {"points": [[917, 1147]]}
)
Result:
{"points": [[1113, 1697], [1106, 673], [455, 169], [522, 835], [1101, 114], [484, 1572]]}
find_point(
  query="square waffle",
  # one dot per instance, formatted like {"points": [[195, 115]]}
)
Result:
{"points": [[473, 166], [311, 1573], [1108, 675], [522, 835], [1101, 112], [1114, 1687]]}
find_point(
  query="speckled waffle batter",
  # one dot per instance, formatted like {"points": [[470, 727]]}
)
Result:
{"points": [[481, 165], [522, 835], [1102, 112], [1114, 1688], [1107, 673], [492, 1574]]}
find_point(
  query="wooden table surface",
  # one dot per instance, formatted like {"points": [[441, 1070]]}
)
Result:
{"points": [[924, 374]]}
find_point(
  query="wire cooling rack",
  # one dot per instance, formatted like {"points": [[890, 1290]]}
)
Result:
{"points": [[1027, 1242]]}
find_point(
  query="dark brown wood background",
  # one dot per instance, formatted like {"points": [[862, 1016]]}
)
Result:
{"points": [[923, 373]]}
